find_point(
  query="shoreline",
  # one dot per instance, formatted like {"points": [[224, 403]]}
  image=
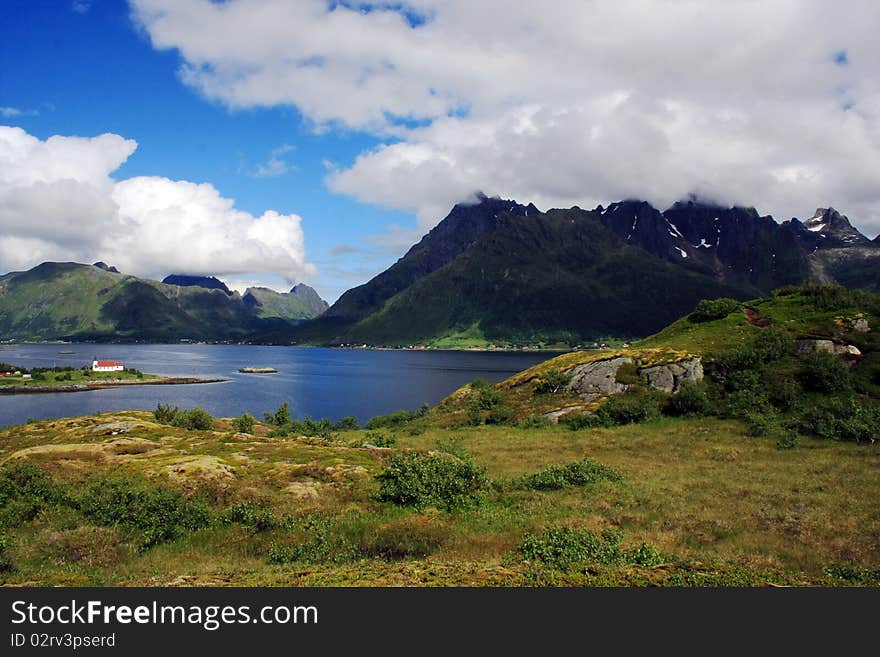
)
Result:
{"points": [[96, 385]]}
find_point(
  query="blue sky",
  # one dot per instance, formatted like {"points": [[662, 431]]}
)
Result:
{"points": [[273, 141], [92, 71]]}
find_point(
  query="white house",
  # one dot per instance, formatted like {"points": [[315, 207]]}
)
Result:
{"points": [[107, 366]]}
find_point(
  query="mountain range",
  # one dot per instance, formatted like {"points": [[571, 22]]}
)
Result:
{"points": [[498, 271], [74, 301], [492, 271]]}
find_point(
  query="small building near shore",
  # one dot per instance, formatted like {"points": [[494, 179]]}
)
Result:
{"points": [[107, 366]]}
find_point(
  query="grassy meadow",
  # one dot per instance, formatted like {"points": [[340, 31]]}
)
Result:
{"points": [[710, 504]]}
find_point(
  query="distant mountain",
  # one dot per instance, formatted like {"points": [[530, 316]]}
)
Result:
{"points": [[463, 226], [302, 302], [89, 302], [207, 282], [498, 271]]}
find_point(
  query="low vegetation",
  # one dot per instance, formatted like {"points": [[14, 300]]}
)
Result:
{"points": [[763, 473]]}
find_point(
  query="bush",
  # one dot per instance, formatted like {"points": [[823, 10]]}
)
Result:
{"points": [[500, 415], [534, 422], [158, 514], [250, 515], [244, 423], [556, 477], [196, 418], [553, 381], [644, 555], [5, 562], [406, 538], [322, 543], [632, 407], [564, 547], [709, 310], [578, 421], [165, 413], [397, 418], [840, 418], [823, 372], [691, 399], [25, 490], [348, 423], [379, 439], [628, 374], [422, 480], [280, 417]]}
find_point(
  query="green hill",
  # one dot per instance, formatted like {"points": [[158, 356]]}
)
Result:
{"points": [[84, 302], [555, 277], [803, 362]]}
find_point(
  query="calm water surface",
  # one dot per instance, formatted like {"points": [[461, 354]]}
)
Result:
{"points": [[315, 381]]}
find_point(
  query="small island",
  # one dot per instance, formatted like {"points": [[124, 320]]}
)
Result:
{"points": [[101, 374], [258, 370]]}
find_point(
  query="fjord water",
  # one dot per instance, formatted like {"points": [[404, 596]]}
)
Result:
{"points": [[314, 381]]}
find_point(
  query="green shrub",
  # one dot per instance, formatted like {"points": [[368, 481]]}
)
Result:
{"points": [[553, 381], [500, 415], [347, 423], [562, 548], [534, 422], [691, 399], [709, 310], [397, 418], [453, 445], [578, 421], [25, 490], [787, 440], [422, 480], [322, 542], [5, 561], [165, 413], [244, 423], [251, 515], [196, 419], [840, 418], [824, 372], [280, 417], [632, 407], [579, 473], [406, 538], [644, 555], [158, 514], [628, 374], [380, 439], [856, 575]]}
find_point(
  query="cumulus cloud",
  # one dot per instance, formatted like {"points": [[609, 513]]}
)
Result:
{"points": [[58, 201], [767, 102]]}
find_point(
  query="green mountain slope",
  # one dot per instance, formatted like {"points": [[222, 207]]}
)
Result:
{"points": [[84, 302], [559, 276], [302, 302]]}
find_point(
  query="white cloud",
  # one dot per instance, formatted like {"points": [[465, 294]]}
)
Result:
{"points": [[13, 112], [276, 165], [59, 202], [744, 101]]}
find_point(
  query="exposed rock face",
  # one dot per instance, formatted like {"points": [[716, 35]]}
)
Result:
{"points": [[671, 376], [597, 379], [825, 346], [860, 325]]}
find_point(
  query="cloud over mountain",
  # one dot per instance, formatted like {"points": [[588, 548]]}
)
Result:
{"points": [[767, 102], [58, 201]]}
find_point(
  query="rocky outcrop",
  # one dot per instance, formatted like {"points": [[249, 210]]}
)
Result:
{"points": [[671, 376], [599, 378], [825, 346]]}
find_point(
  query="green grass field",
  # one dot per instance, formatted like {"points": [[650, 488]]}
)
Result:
{"points": [[720, 507]]}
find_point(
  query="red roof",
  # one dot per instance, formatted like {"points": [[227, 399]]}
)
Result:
{"points": [[108, 363]]}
